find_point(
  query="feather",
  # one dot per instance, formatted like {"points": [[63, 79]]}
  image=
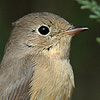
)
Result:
{"points": [[15, 83]]}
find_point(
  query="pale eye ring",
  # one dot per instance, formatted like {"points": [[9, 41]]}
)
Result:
{"points": [[43, 30]]}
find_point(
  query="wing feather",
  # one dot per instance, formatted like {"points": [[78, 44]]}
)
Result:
{"points": [[17, 91], [15, 80]]}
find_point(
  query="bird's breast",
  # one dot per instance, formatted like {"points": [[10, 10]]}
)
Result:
{"points": [[53, 80]]}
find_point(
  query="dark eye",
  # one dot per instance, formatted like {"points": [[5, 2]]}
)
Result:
{"points": [[43, 30]]}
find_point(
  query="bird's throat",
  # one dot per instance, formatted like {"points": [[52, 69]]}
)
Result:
{"points": [[60, 50]]}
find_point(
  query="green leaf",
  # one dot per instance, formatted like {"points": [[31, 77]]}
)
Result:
{"points": [[93, 16], [98, 39]]}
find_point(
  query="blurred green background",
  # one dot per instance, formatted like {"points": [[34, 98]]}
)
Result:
{"points": [[85, 51]]}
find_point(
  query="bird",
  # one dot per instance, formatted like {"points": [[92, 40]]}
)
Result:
{"points": [[36, 64]]}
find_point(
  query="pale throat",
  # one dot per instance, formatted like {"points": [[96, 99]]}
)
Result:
{"points": [[60, 50]]}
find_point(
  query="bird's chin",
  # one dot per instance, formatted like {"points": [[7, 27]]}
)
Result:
{"points": [[60, 49]]}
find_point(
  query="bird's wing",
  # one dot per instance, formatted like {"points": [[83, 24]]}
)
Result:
{"points": [[16, 83], [17, 91]]}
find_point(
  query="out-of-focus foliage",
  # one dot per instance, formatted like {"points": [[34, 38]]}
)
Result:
{"points": [[98, 40], [94, 8]]}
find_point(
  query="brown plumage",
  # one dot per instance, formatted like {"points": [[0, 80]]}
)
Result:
{"points": [[36, 63]]}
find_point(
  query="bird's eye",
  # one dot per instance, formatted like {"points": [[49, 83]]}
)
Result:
{"points": [[43, 30]]}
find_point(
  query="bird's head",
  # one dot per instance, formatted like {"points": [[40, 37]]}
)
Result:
{"points": [[41, 33]]}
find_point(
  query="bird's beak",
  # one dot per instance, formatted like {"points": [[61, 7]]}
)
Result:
{"points": [[75, 30]]}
